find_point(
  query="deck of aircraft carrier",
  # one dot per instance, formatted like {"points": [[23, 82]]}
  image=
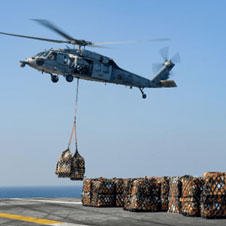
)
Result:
{"points": [[70, 212]]}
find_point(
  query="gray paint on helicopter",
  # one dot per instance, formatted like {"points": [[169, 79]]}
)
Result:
{"points": [[84, 64]]}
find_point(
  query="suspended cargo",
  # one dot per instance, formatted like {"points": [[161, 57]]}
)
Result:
{"points": [[77, 167], [63, 167], [70, 166]]}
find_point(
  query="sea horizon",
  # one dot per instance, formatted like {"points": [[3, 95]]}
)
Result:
{"points": [[41, 191]]}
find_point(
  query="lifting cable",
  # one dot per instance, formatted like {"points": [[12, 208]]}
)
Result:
{"points": [[74, 130]]}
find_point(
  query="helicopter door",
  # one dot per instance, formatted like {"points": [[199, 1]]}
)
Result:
{"points": [[102, 71], [63, 63], [63, 59]]}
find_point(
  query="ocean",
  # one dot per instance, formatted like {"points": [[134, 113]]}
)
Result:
{"points": [[42, 191]]}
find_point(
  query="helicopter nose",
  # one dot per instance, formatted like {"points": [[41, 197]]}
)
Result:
{"points": [[29, 61]]}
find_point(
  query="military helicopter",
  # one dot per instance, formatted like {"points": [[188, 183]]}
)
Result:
{"points": [[84, 64]]}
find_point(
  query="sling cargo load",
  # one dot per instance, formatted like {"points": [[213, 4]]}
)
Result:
{"points": [[71, 166], [63, 167], [77, 167]]}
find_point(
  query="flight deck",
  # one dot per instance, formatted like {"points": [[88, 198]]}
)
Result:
{"points": [[69, 212]]}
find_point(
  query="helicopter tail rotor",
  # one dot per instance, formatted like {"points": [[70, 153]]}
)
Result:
{"points": [[164, 53], [163, 70], [170, 62], [176, 58]]}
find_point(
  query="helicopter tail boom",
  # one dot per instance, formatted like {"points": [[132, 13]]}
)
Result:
{"points": [[168, 83]]}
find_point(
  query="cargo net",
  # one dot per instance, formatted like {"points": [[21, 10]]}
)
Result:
{"points": [[164, 193], [70, 166], [143, 195], [121, 185], [99, 192], [175, 185], [64, 164], [191, 192], [213, 199]]}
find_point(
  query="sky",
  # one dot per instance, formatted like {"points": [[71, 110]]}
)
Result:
{"points": [[172, 132]]}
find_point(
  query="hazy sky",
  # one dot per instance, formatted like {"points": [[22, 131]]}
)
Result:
{"points": [[173, 132]]}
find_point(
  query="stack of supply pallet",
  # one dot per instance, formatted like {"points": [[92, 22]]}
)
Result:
{"points": [[103, 193], [174, 195], [191, 191], [127, 192], [143, 195], [99, 192], [164, 193], [87, 192], [120, 186], [188, 195], [213, 201]]}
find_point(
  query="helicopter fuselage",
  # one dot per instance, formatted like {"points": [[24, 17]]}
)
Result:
{"points": [[88, 65], [84, 64]]}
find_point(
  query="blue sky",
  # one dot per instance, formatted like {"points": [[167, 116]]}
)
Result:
{"points": [[173, 132]]}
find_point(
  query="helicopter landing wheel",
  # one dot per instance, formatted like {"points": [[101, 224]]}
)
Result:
{"points": [[144, 96], [69, 78], [54, 78]]}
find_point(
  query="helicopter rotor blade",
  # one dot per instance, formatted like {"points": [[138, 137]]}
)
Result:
{"points": [[79, 42], [54, 28], [34, 37], [164, 52], [99, 46], [176, 58], [156, 67], [132, 41], [59, 31]]}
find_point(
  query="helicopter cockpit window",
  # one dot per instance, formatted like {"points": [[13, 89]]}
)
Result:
{"points": [[52, 56], [40, 54], [43, 54]]}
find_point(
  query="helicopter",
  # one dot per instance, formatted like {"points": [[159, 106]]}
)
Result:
{"points": [[81, 63]]}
